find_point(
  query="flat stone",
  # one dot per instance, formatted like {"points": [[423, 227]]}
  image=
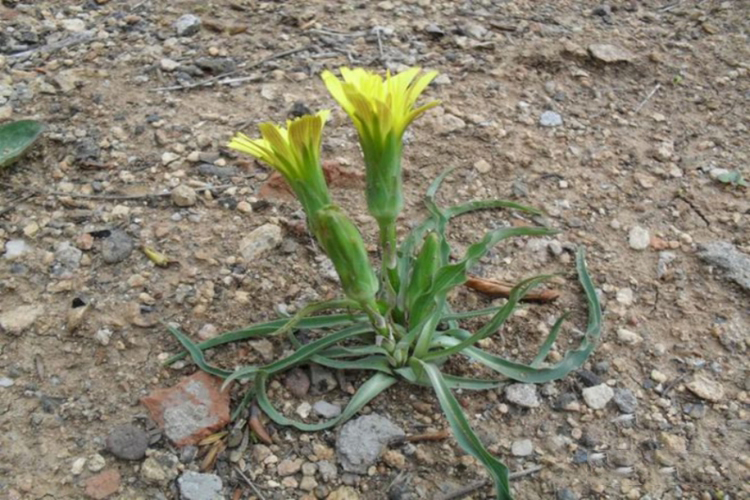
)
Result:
{"points": [[598, 396], [610, 54], [260, 241], [117, 247], [16, 320], [361, 441], [625, 400], [727, 257], [191, 410], [522, 448], [524, 395], [103, 485], [187, 25], [127, 442], [550, 119], [707, 389], [326, 409], [197, 486], [639, 238]]}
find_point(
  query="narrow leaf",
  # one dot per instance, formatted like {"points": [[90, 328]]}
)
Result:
{"points": [[452, 381], [197, 354]]}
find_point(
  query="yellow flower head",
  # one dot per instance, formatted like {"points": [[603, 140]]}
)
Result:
{"points": [[294, 152], [380, 106]]}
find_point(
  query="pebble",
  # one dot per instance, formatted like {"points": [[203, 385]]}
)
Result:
{"points": [[322, 380], [261, 240], [187, 25], [244, 207], [707, 389], [15, 249], [639, 238], [598, 396], [297, 382], [628, 337], [264, 347], [360, 441], [160, 468], [73, 25], [728, 257], [524, 395], [117, 247], [522, 448], [482, 166], [326, 409], [208, 331], [78, 464], [449, 123], [662, 266], [127, 442], [550, 119], [344, 493], [168, 157], [169, 65], [96, 463], [625, 400], [17, 320], [184, 196], [197, 486], [625, 296], [288, 467], [328, 471], [304, 409], [610, 54], [308, 483], [566, 494], [658, 376], [103, 485], [6, 382]]}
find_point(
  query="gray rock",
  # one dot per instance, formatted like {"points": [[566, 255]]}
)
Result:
{"points": [[117, 247], [598, 396], [297, 382], [361, 441], [187, 25], [213, 170], [566, 494], [639, 238], [322, 380], [326, 409], [6, 382], [67, 258], [524, 395], [726, 256], [127, 442], [15, 249], [610, 54], [665, 258], [259, 241], [196, 486], [328, 471], [625, 400], [216, 65], [522, 448], [184, 196], [550, 119]]}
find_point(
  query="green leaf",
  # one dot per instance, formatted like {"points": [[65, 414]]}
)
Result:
{"points": [[197, 354], [271, 328], [463, 432], [549, 341], [452, 381], [733, 177], [453, 316], [373, 363], [300, 355], [16, 138], [473, 206], [366, 393], [353, 352]]}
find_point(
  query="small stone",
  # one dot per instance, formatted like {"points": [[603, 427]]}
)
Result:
{"points": [[264, 347], [664, 151], [309, 469], [127, 442], [67, 258], [598, 396], [625, 296], [16, 320], [73, 25], [361, 441], [117, 247], [328, 471], [191, 410], [482, 166], [290, 482], [96, 463], [658, 376], [522, 448], [322, 380], [625, 400], [78, 464], [442, 79], [244, 207], [662, 266], [326, 409], [103, 336], [6, 382], [103, 484], [288, 467], [259, 241], [184, 196], [344, 493], [639, 238], [160, 468], [308, 483], [297, 382], [394, 459], [628, 337], [386, 5], [168, 157], [706, 388], [566, 494], [448, 123], [197, 486], [6, 112], [610, 54], [15, 249], [728, 257], [304, 409], [168, 65], [208, 331], [524, 395], [550, 119], [187, 25]]}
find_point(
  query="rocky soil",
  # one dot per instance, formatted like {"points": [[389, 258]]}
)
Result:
{"points": [[621, 120]]}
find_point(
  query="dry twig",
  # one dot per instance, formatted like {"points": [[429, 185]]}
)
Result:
{"points": [[503, 289], [250, 483], [471, 488], [649, 96]]}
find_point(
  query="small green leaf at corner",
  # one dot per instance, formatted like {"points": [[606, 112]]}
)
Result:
{"points": [[16, 138], [733, 177]]}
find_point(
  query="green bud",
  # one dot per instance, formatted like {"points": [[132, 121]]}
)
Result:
{"points": [[343, 244], [384, 179]]}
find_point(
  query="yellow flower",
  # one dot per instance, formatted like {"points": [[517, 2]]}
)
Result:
{"points": [[294, 152], [381, 109]]}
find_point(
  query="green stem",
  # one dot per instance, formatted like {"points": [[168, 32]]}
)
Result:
{"points": [[389, 271]]}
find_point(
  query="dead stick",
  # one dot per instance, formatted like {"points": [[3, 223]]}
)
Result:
{"points": [[250, 483], [430, 436], [471, 488], [649, 96], [503, 289]]}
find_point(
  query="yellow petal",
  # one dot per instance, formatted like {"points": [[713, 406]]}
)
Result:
{"points": [[334, 86], [416, 90]]}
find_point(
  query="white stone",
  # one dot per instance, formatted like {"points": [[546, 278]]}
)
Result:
{"points": [[259, 241], [73, 25], [628, 337], [169, 65], [524, 395], [522, 448], [598, 396], [625, 296], [639, 238], [78, 464], [706, 389], [15, 248], [482, 166], [17, 319]]}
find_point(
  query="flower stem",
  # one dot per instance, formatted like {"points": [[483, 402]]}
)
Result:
{"points": [[389, 273]]}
